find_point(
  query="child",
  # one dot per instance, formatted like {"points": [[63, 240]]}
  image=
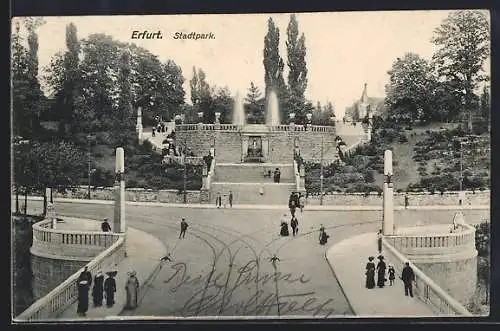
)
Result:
{"points": [[391, 275]]}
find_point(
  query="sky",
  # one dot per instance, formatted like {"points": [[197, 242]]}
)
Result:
{"points": [[345, 50]]}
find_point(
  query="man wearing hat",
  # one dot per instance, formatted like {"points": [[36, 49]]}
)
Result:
{"points": [[184, 226], [105, 226], [408, 276]]}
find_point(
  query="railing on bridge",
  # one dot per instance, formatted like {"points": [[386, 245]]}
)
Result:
{"points": [[69, 242], [460, 238], [64, 295], [425, 288]]}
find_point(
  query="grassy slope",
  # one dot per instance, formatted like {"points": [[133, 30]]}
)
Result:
{"points": [[405, 171]]}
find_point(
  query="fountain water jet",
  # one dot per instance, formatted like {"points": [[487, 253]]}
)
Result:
{"points": [[238, 110], [272, 109]]}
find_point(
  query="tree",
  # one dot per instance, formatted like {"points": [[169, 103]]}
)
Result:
{"points": [[193, 84], [124, 118], [71, 73], [410, 88], [463, 41], [485, 103], [20, 83], [253, 105], [297, 74], [35, 96], [223, 102], [273, 67]]}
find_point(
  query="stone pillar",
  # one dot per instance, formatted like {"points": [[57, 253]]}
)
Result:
{"points": [[204, 177], [388, 227], [265, 147], [119, 225], [244, 147], [138, 126]]}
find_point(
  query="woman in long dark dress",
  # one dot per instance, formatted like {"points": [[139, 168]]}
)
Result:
{"points": [[381, 271], [98, 289], [284, 229], [83, 298], [110, 289], [370, 273]]}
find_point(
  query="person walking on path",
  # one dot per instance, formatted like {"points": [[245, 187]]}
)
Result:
{"points": [[323, 237], [98, 289], [294, 223], [370, 273], [105, 227], [381, 272], [408, 277], [392, 276], [83, 298], [302, 202], [231, 199], [218, 200], [110, 289], [379, 241], [132, 289], [407, 201], [184, 226]]}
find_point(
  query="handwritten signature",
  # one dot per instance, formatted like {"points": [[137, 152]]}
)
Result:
{"points": [[216, 292]]}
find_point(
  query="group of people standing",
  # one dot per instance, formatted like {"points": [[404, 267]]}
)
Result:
{"points": [[294, 224], [101, 286], [104, 289], [407, 275], [296, 200], [222, 200]]}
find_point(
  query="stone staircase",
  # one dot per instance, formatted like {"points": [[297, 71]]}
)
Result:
{"points": [[245, 180]]}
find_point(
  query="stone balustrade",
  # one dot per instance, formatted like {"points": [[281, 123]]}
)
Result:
{"points": [[69, 244], [64, 295], [425, 288], [192, 160], [436, 245], [235, 127]]}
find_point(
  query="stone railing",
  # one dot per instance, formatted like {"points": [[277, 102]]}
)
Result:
{"points": [[193, 160], [64, 295], [210, 174], [297, 175], [69, 243], [272, 128], [425, 288], [458, 240], [207, 127]]}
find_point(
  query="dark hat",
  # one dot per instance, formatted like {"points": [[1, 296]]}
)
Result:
{"points": [[370, 258], [380, 257]]}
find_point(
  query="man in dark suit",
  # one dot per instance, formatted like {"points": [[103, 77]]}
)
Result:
{"points": [[408, 277]]}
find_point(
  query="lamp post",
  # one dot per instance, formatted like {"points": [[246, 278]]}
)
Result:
{"points": [[90, 138]]}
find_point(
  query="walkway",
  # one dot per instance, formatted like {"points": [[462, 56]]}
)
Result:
{"points": [[35, 205], [143, 255], [348, 260]]}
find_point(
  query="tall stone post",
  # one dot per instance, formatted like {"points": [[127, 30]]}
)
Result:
{"points": [[388, 227], [138, 126], [119, 224]]}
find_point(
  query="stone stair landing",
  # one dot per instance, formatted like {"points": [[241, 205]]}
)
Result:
{"points": [[248, 193], [252, 172]]}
